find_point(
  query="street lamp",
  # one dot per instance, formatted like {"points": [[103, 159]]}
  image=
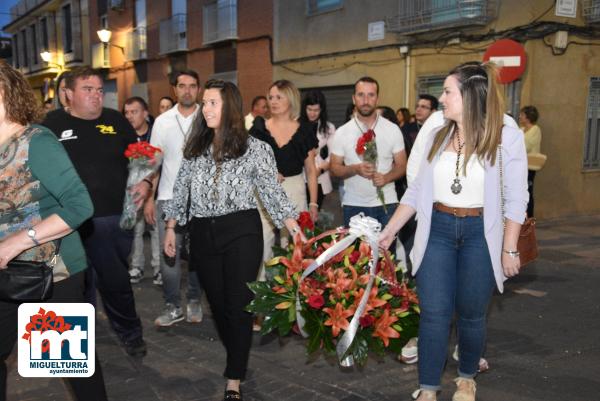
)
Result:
{"points": [[47, 58], [104, 35]]}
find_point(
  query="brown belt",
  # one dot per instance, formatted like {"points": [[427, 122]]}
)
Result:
{"points": [[459, 211]]}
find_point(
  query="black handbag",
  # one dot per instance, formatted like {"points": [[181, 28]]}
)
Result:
{"points": [[27, 281]]}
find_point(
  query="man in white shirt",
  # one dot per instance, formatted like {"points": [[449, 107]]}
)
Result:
{"points": [[361, 178], [169, 133], [259, 108]]}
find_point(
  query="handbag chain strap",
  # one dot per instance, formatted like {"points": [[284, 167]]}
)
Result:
{"points": [[501, 168]]}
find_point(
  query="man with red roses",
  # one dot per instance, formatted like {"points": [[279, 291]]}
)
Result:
{"points": [[368, 181]]}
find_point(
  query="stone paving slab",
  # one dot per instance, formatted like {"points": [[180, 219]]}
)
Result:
{"points": [[540, 347]]}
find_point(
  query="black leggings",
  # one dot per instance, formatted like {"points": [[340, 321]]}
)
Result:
{"points": [[226, 252], [69, 290], [530, 179]]}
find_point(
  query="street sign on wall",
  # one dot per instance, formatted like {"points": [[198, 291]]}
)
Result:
{"points": [[510, 57]]}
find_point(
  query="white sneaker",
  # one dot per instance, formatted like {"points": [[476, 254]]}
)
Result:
{"points": [[194, 311], [157, 279], [136, 275]]}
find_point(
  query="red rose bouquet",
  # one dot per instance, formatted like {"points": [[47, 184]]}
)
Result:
{"points": [[320, 288], [144, 159], [366, 147]]}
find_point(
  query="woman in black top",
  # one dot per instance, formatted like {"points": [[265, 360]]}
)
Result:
{"points": [[294, 144]]}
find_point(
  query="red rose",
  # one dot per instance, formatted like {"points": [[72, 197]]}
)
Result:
{"points": [[361, 144], [366, 321], [354, 256], [316, 301], [140, 150], [305, 221]]}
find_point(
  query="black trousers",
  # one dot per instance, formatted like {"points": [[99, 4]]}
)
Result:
{"points": [[108, 247], [227, 252], [530, 179], [69, 290]]}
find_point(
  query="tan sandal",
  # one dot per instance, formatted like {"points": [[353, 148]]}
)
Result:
{"points": [[465, 389]]}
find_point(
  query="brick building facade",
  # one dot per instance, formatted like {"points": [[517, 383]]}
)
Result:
{"points": [[228, 39]]}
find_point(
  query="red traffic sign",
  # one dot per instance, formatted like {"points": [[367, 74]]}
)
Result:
{"points": [[509, 56]]}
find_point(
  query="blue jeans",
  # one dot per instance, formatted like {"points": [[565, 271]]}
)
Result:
{"points": [[376, 212], [170, 268], [455, 276]]}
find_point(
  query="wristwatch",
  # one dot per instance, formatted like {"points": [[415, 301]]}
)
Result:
{"points": [[31, 234]]}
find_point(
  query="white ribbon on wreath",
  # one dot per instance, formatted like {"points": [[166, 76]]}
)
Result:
{"points": [[361, 226]]}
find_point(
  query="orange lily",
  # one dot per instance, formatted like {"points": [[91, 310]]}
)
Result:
{"points": [[297, 263], [364, 249], [363, 279], [310, 287], [372, 303], [279, 289], [339, 281], [383, 329], [338, 318], [402, 291]]}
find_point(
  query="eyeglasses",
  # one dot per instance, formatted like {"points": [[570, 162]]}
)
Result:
{"points": [[422, 106]]}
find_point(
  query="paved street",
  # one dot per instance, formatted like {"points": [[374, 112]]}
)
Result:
{"points": [[543, 345]]}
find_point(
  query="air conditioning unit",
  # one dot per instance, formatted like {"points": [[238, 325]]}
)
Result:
{"points": [[117, 4]]}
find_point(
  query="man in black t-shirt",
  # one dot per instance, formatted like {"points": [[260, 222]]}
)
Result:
{"points": [[95, 139]]}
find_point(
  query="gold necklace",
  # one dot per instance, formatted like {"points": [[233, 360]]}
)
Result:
{"points": [[456, 186]]}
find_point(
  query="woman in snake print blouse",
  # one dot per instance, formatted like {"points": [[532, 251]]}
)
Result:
{"points": [[221, 171]]}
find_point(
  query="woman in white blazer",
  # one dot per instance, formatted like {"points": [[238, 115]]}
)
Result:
{"points": [[464, 245]]}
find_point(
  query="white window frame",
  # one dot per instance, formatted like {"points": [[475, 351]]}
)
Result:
{"points": [[226, 21]]}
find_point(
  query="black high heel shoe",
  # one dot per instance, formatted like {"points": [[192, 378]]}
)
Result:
{"points": [[231, 395]]}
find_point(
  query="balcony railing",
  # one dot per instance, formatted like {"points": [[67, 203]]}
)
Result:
{"points": [[219, 21], [591, 11], [173, 37], [136, 44], [417, 16]]}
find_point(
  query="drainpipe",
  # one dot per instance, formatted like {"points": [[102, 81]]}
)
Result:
{"points": [[405, 51]]}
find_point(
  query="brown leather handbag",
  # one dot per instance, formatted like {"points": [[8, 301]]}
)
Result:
{"points": [[527, 244]]}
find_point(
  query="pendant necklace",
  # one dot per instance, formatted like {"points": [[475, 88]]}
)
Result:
{"points": [[360, 128], [456, 186], [216, 182]]}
